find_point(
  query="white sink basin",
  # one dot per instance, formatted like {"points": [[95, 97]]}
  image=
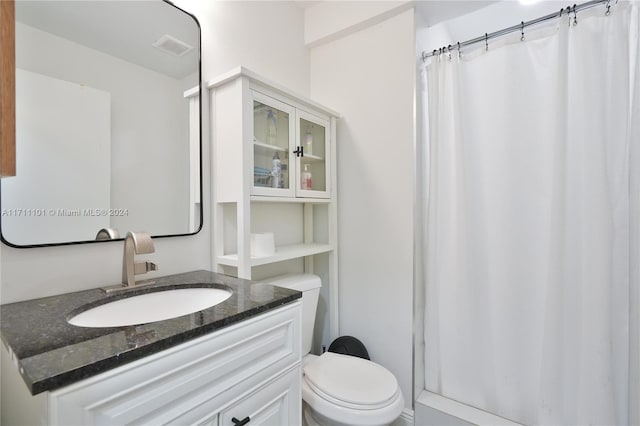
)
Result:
{"points": [[150, 307]]}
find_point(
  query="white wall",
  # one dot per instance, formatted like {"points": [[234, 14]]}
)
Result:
{"points": [[369, 77], [330, 20], [267, 37], [53, 155]]}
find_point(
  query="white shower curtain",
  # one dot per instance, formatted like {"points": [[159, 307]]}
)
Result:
{"points": [[531, 220]]}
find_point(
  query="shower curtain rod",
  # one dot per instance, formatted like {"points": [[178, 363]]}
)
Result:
{"points": [[520, 27]]}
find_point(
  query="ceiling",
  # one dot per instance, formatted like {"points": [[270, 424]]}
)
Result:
{"points": [[124, 29], [431, 12]]}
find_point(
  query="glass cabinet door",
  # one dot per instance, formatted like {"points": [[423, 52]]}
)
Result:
{"points": [[312, 156], [273, 127]]}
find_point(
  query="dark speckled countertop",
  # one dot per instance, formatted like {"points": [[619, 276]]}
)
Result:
{"points": [[51, 353]]}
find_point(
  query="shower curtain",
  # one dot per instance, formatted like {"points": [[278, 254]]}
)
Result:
{"points": [[532, 222]]}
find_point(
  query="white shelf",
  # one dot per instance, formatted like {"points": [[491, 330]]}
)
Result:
{"points": [[312, 158], [282, 253], [257, 143], [267, 199]]}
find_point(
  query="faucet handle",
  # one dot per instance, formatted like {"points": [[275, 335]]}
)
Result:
{"points": [[135, 243], [144, 267], [142, 242]]}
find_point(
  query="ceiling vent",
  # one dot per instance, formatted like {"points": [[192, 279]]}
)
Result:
{"points": [[172, 45]]}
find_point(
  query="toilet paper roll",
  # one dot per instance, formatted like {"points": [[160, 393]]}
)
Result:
{"points": [[262, 245]]}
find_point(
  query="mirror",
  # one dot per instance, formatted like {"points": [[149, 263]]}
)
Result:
{"points": [[108, 135]]}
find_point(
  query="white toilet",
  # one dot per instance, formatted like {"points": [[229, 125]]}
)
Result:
{"points": [[340, 390]]}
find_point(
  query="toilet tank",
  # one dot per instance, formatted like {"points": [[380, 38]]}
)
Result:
{"points": [[309, 285]]}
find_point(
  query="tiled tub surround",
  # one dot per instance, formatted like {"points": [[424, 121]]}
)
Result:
{"points": [[51, 353]]}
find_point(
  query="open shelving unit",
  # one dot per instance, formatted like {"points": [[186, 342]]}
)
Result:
{"points": [[247, 111]]}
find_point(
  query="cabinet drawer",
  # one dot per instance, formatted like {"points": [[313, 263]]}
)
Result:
{"points": [[188, 383], [278, 403]]}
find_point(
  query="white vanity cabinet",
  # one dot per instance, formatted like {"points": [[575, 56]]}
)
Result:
{"points": [[274, 173], [248, 372], [275, 403]]}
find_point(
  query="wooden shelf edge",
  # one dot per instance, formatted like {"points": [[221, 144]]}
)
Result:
{"points": [[7, 89]]}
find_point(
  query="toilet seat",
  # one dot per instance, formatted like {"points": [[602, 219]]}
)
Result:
{"points": [[351, 382], [351, 390]]}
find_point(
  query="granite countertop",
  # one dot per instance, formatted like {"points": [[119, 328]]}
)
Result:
{"points": [[51, 353]]}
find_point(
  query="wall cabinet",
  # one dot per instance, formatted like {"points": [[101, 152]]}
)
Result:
{"points": [[291, 156], [274, 171], [249, 370]]}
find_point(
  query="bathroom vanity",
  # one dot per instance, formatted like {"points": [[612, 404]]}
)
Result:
{"points": [[235, 363]]}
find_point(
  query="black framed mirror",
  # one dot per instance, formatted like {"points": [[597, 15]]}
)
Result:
{"points": [[108, 113]]}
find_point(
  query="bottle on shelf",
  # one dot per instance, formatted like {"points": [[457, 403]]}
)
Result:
{"points": [[276, 171], [306, 177], [308, 142], [272, 130]]}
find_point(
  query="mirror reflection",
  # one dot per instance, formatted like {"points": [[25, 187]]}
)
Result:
{"points": [[107, 122]]}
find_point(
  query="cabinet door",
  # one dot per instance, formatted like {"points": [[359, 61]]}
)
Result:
{"points": [[313, 161], [276, 403], [273, 135]]}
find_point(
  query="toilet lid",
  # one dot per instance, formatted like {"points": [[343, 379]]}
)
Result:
{"points": [[350, 380]]}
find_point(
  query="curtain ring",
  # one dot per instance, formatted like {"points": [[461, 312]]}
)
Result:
{"points": [[569, 14], [449, 48], [575, 16], [522, 30], [486, 42], [459, 51], [608, 12]]}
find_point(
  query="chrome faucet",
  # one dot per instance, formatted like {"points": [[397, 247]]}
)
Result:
{"points": [[136, 243]]}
